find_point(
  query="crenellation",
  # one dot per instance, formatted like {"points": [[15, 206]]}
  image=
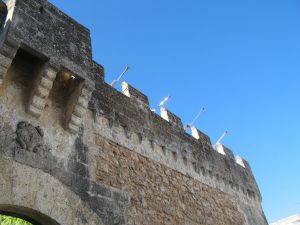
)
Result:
{"points": [[184, 163], [174, 120], [135, 94], [202, 138], [240, 161], [224, 151]]}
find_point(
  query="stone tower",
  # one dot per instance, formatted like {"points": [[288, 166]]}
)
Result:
{"points": [[74, 150]]}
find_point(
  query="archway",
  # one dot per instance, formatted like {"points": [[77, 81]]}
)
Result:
{"points": [[36, 196], [29, 215]]}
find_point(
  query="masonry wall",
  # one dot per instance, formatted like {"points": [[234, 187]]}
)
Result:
{"points": [[160, 195], [46, 31], [127, 165]]}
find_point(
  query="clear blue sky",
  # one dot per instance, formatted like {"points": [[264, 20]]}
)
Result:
{"points": [[239, 59]]}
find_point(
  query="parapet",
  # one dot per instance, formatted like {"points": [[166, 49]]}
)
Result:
{"points": [[120, 118], [174, 120], [224, 150], [133, 93], [202, 138]]}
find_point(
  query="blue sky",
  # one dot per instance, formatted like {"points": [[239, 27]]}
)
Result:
{"points": [[239, 59]]}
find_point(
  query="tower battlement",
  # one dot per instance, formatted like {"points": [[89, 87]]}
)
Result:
{"points": [[48, 78]]}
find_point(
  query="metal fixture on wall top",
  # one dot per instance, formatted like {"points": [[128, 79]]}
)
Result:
{"points": [[113, 84], [189, 125]]}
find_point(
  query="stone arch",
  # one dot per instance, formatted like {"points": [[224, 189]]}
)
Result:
{"points": [[32, 193], [27, 214]]}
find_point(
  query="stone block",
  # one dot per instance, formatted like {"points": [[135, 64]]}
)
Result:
{"points": [[224, 151], [174, 120], [133, 93]]}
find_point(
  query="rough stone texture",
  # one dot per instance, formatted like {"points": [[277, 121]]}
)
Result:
{"points": [[30, 138], [174, 120], [29, 149], [27, 189], [133, 93], [43, 29], [160, 195], [104, 153]]}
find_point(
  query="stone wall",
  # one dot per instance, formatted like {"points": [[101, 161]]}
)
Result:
{"points": [[160, 195], [44, 30], [126, 164], [125, 121], [32, 193]]}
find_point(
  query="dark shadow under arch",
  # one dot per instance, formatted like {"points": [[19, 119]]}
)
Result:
{"points": [[30, 215]]}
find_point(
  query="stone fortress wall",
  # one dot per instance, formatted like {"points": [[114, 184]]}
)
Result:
{"points": [[125, 163]]}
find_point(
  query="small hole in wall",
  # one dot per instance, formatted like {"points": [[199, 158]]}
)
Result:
{"points": [[140, 137], [175, 157], [249, 193], [163, 150], [126, 131], [41, 10], [184, 158], [194, 166], [151, 142]]}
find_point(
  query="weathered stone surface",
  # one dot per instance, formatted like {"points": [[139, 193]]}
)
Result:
{"points": [[108, 203], [53, 34], [25, 189], [120, 159], [30, 138], [160, 195]]}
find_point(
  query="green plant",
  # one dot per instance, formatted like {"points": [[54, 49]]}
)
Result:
{"points": [[8, 220]]}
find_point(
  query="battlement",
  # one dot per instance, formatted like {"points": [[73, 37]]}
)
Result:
{"points": [[163, 139], [48, 56], [135, 94]]}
